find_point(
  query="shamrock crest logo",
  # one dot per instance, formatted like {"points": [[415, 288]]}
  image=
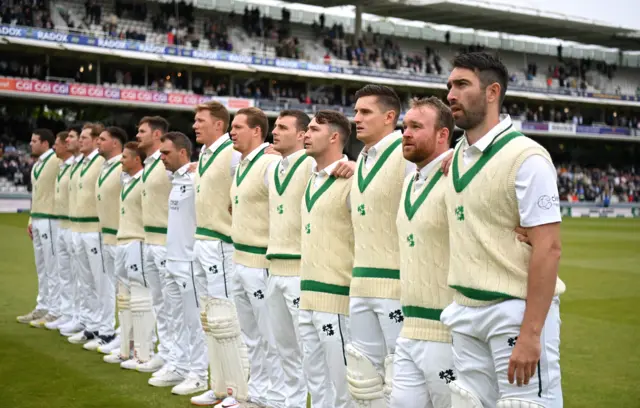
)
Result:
{"points": [[45, 236], [447, 376], [328, 329], [307, 228], [213, 269], [396, 316], [163, 263], [511, 341], [198, 189], [235, 200], [122, 211], [99, 197], [460, 213], [144, 193], [296, 302], [280, 209], [183, 189], [94, 251], [411, 241], [361, 210], [258, 294], [134, 267]]}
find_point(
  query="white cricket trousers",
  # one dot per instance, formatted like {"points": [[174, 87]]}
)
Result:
{"points": [[283, 301], [155, 271], [68, 280], [422, 371], [184, 314], [107, 291], [483, 339], [214, 269], [375, 325], [324, 337], [266, 382], [44, 251], [91, 273]]}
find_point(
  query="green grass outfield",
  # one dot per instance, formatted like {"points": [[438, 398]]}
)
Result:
{"points": [[600, 330]]}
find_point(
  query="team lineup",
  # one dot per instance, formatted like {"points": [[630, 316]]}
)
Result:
{"points": [[417, 276]]}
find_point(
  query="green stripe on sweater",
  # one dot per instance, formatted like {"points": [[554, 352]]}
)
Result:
{"points": [[361, 272], [421, 312], [483, 295], [250, 249], [315, 286], [213, 234]]}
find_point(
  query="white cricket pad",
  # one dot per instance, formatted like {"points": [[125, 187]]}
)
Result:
{"points": [[388, 375], [216, 379], [222, 320], [365, 384], [463, 398], [517, 403], [143, 322]]}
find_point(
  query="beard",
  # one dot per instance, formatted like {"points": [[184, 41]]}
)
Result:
{"points": [[472, 117]]}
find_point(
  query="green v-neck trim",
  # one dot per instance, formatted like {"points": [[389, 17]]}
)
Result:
{"points": [[75, 168], [101, 178], [460, 183], [64, 170], [240, 177], [281, 187], [84, 171], [38, 171], [411, 209], [203, 169], [309, 199], [125, 192], [145, 173], [363, 182]]}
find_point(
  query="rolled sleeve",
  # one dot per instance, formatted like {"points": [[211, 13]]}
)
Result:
{"points": [[537, 192]]}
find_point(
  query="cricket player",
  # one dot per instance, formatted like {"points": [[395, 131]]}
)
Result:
{"points": [[155, 209], [250, 235], [72, 281], [504, 317], [189, 374], [108, 185], [88, 240], [423, 364], [63, 266], [327, 258], [214, 267], [42, 227], [375, 311]]}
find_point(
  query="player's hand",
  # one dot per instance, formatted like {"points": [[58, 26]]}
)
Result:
{"points": [[192, 167], [524, 359], [522, 235], [231, 210], [446, 163], [271, 150], [30, 231], [344, 169]]}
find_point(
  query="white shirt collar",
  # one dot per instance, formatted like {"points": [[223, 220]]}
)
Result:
{"points": [[326, 172], [78, 158], [68, 162], [45, 155], [254, 153], [126, 178], [91, 156], [150, 159], [373, 151], [485, 141], [183, 170], [287, 161], [215, 145], [112, 160], [426, 170]]}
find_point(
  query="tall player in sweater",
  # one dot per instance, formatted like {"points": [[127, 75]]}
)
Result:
{"points": [[374, 310], [250, 234], [505, 313], [423, 365], [88, 241], [63, 265], [110, 144], [327, 259], [155, 213], [214, 266], [42, 224]]}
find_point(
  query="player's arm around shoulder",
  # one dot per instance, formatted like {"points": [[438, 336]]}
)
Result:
{"points": [[344, 169]]}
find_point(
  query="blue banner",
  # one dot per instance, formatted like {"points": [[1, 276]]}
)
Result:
{"points": [[603, 130]]}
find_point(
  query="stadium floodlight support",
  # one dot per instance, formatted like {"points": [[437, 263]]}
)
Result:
{"points": [[358, 27]]}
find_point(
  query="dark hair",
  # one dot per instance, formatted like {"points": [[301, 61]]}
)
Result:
{"points": [[487, 66], [133, 146], [95, 127], [386, 96], [155, 123], [179, 140], [255, 118], [45, 135], [302, 119], [337, 121], [75, 128], [118, 133], [443, 113], [216, 110], [62, 135]]}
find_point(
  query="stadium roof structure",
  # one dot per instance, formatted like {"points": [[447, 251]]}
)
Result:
{"points": [[492, 16]]}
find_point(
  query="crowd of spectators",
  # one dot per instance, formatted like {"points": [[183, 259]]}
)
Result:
{"points": [[606, 186], [29, 13]]}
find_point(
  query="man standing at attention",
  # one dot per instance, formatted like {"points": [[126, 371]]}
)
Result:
{"points": [[42, 225], [63, 266], [155, 213], [87, 243], [423, 365], [213, 248], [110, 144], [327, 259], [504, 317], [375, 312], [250, 234]]}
